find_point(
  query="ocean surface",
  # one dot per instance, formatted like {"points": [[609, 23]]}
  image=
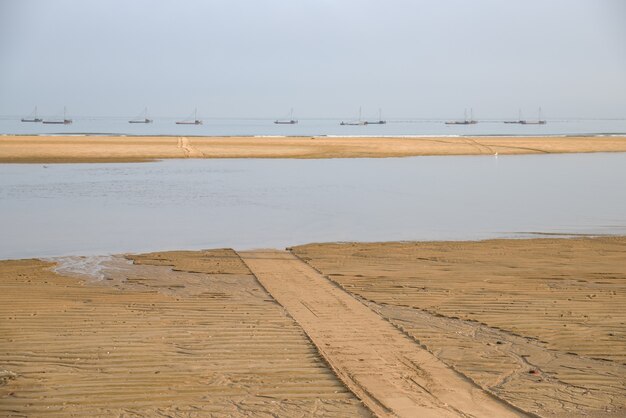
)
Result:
{"points": [[310, 127], [98, 209]]}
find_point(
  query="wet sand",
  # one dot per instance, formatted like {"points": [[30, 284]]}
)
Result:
{"points": [[386, 369], [68, 149], [536, 325], [179, 334], [539, 323]]}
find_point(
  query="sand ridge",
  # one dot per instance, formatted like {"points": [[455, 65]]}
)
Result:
{"points": [[95, 148]]}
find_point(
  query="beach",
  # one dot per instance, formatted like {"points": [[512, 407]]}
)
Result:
{"points": [[536, 322], [313, 209], [96, 148], [481, 328], [183, 334]]}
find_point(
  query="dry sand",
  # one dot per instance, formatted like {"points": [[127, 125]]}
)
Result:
{"points": [[202, 340], [539, 323], [59, 149]]}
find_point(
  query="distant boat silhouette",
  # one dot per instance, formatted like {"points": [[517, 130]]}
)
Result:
{"points": [[64, 121], [380, 120], [289, 121], [358, 122], [519, 118], [32, 117], [539, 120], [194, 121], [142, 118], [465, 120]]}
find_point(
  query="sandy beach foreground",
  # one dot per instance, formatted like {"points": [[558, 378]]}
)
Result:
{"points": [[67, 149], [489, 328]]}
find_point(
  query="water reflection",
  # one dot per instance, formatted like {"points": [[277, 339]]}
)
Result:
{"points": [[189, 204]]}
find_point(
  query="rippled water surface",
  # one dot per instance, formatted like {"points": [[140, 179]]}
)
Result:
{"points": [[69, 209]]}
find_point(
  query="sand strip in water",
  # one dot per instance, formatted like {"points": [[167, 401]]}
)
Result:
{"points": [[68, 149]]}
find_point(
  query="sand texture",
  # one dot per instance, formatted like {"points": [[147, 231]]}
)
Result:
{"points": [[393, 375], [539, 323], [491, 328], [202, 340], [60, 149]]}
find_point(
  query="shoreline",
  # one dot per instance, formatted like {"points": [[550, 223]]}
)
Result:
{"points": [[40, 149], [521, 236]]}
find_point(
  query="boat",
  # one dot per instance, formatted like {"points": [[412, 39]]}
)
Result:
{"points": [[380, 120], [465, 120], [358, 122], [189, 121], [539, 120], [64, 121], [32, 117], [288, 121], [519, 118], [142, 118]]}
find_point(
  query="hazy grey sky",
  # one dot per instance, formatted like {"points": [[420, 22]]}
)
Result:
{"points": [[326, 58]]}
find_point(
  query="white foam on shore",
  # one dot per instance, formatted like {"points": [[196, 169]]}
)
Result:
{"points": [[93, 266]]}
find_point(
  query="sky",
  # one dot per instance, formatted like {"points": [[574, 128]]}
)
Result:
{"points": [[325, 58]]}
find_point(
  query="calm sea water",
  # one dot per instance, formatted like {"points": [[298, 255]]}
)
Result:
{"points": [[88, 209], [310, 127]]}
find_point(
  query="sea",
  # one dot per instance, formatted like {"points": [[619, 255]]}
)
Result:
{"points": [[313, 127], [51, 210]]}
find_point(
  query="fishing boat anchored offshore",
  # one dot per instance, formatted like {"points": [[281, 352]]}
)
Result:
{"points": [[357, 122], [465, 120], [191, 121], [380, 120], [519, 118], [142, 118], [539, 121], [64, 121], [32, 117], [288, 121]]}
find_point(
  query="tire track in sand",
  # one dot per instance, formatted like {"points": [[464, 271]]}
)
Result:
{"points": [[388, 371], [178, 334], [190, 152]]}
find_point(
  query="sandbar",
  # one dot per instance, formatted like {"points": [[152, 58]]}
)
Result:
{"points": [[96, 148]]}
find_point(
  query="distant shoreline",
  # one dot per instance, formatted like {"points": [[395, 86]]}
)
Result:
{"points": [[86, 148]]}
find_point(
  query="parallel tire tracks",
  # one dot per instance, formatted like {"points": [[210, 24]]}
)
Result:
{"points": [[387, 370]]}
